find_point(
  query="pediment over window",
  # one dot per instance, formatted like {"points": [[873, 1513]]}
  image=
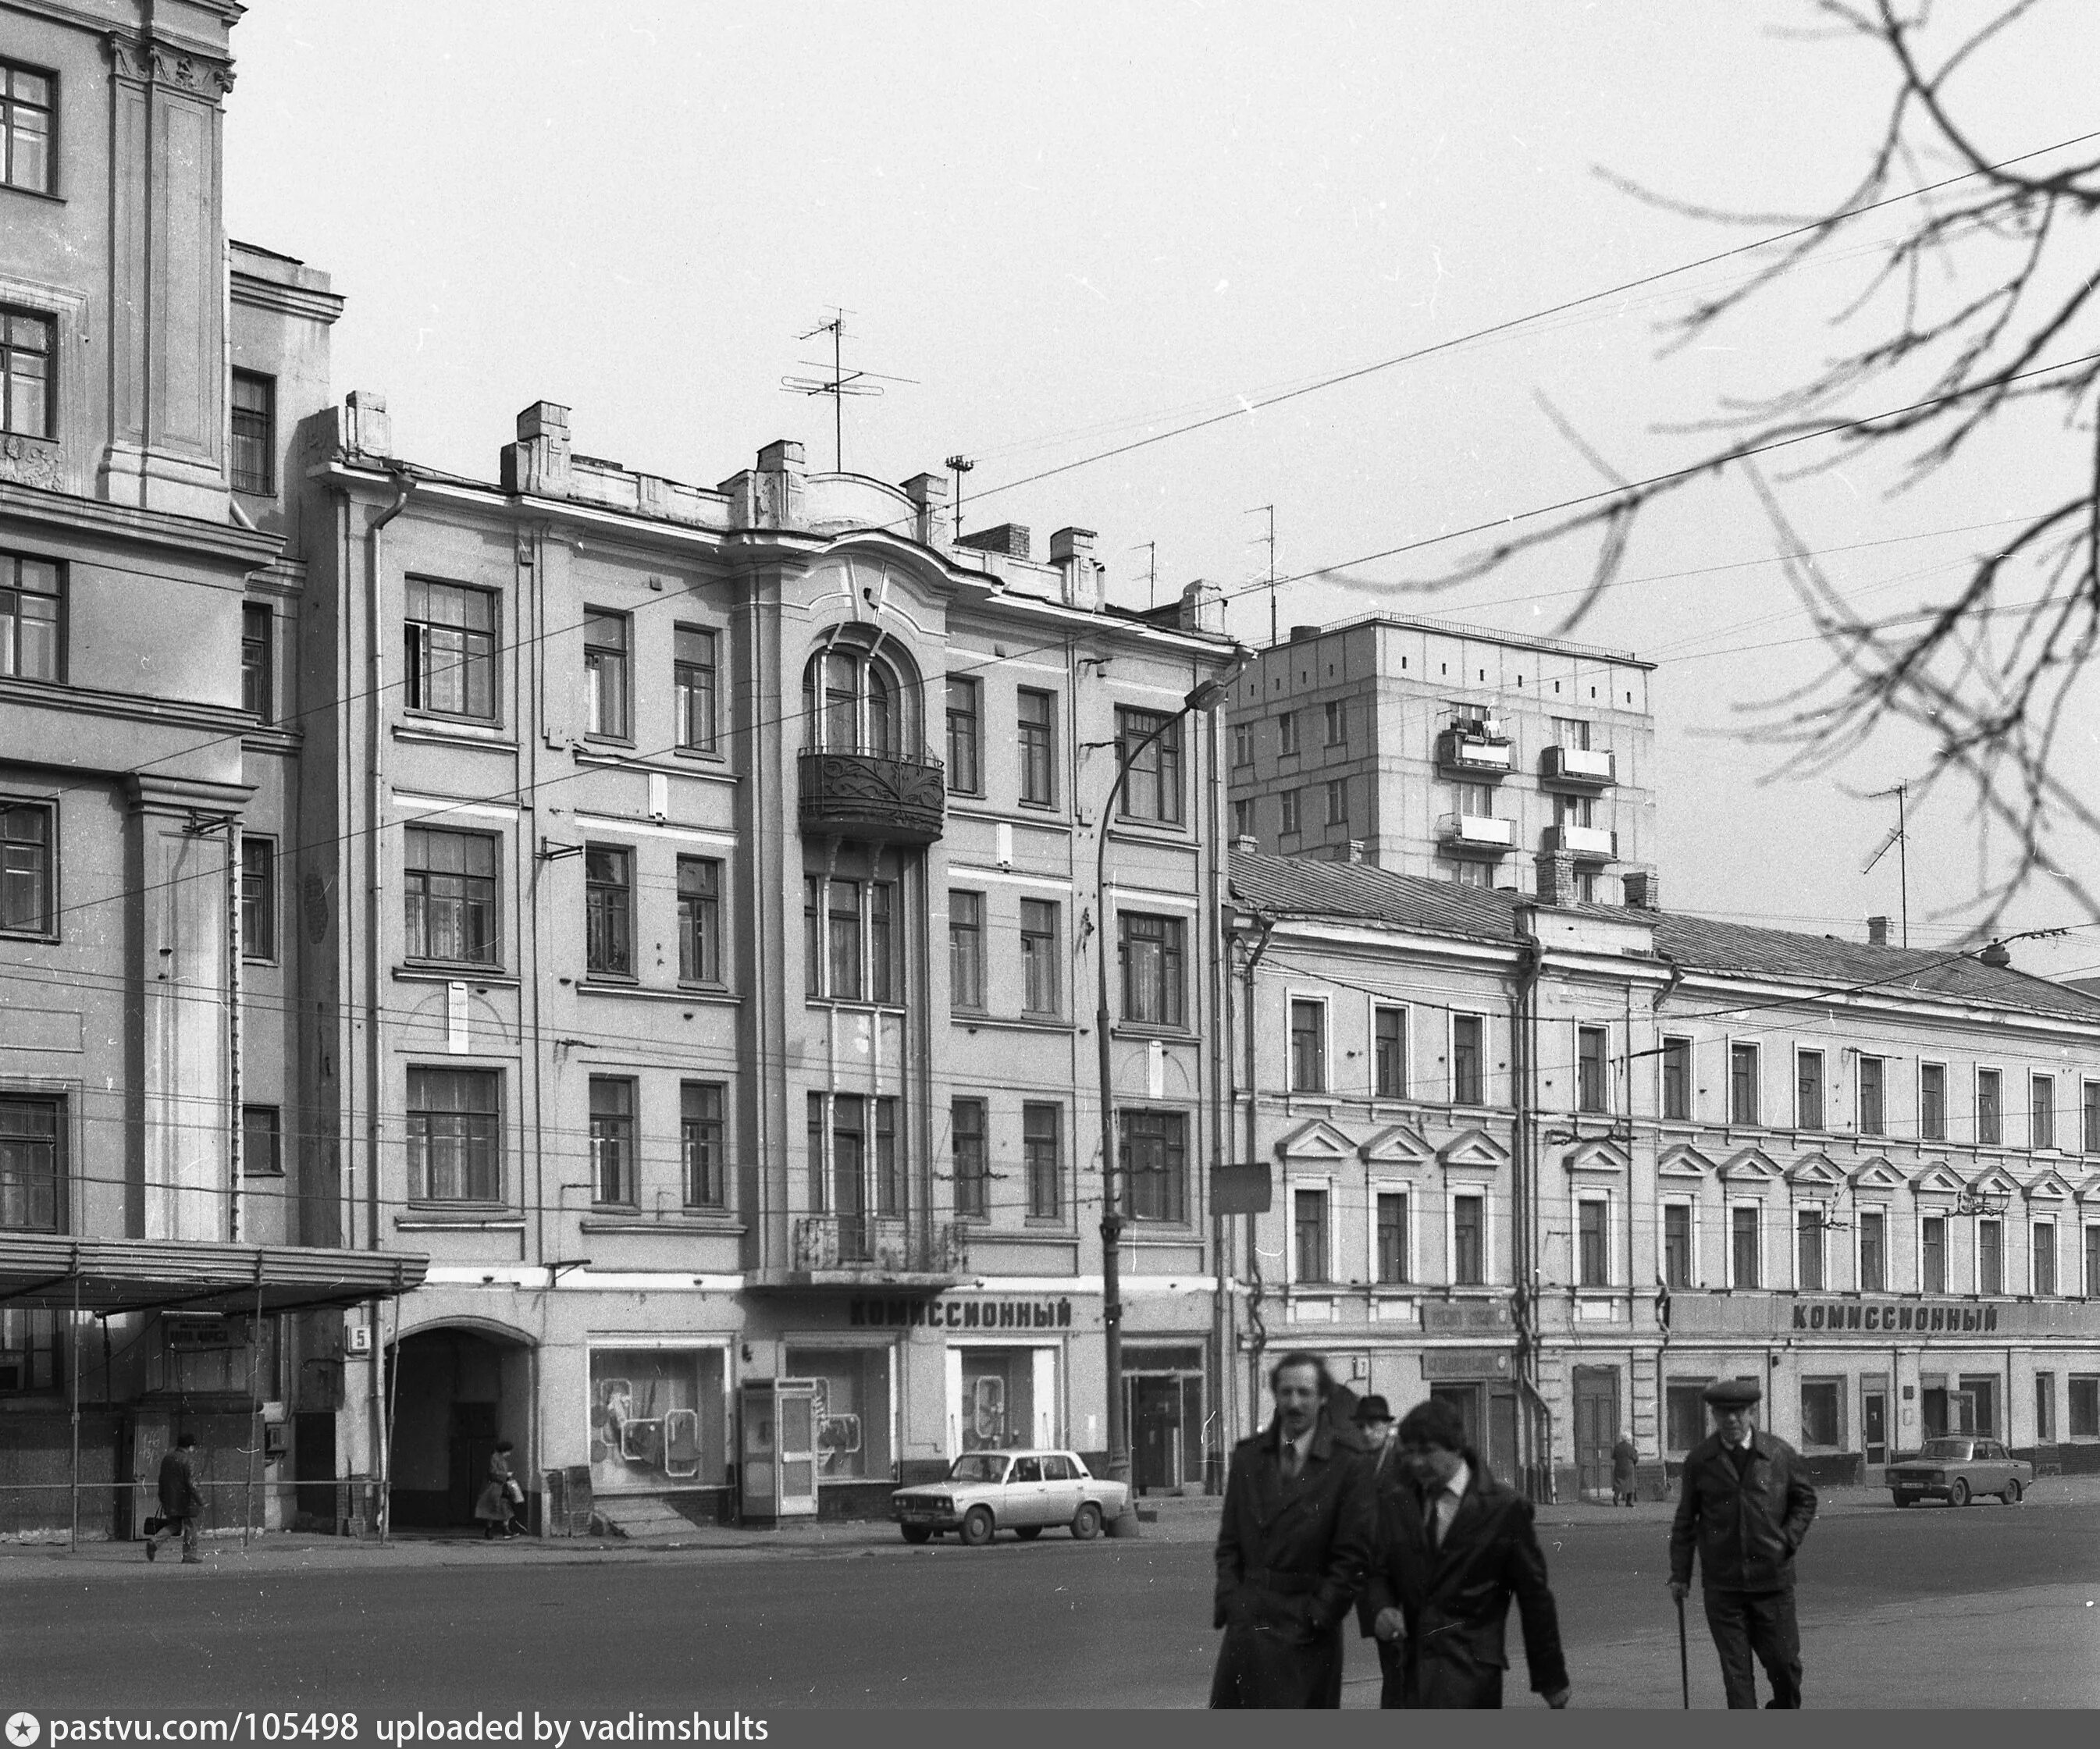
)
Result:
{"points": [[1814, 1172], [1316, 1140], [1474, 1148], [1877, 1174], [2090, 1191], [1754, 1165], [1684, 1160], [1595, 1155], [1398, 1146], [1994, 1181], [2051, 1188], [1939, 1179]]}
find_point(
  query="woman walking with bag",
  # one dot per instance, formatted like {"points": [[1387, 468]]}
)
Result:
{"points": [[499, 1496]]}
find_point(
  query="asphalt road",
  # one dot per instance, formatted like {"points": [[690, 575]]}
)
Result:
{"points": [[1988, 1607]]}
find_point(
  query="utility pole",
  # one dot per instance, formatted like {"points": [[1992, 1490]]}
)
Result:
{"points": [[1270, 537], [959, 465]]}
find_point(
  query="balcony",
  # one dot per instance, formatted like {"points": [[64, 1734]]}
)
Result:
{"points": [[1586, 844], [1578, 768], [1476, 749], [870, 796], [870, 1250], [1470, 834]]}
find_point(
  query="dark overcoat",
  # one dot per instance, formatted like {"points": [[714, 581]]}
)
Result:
{"points": [[1745, 1530], [178, 1488], [1456, 1598], [1291, 1556]]}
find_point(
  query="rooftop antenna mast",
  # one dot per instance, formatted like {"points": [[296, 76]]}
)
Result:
{"points": [[1270, 509], [1150, 548], [959, 465], [840, 384], [1900, 838]]}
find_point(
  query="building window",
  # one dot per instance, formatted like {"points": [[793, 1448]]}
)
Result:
{"points": [[1389, 1053], [32, 1161], [851, 702], [1574, 810], [1309, 1215], [693, 687], [612, 1139], [1040, 992], [259, 898], [1744, 1249], [1338, 801], [1808, 1248], [30, 599], [703, 1144], [609, 911], [966, 1118], [1042, 1155], [1338, 722], [605, 674], [451, 659], [1589, 1051], [2085, 1408], [1742, 1084], [454, 1149], [1308, 1047], [1990, 1107], [1685, 1411], [1469, 1260], [257, 693], [1821, 1422], [27, 399], [2044, 1257], [1468, 1077], [1571, 732], [1243, 819], [700, 920], [1871, 1087], [1932, 1101], [1677, 1079], [1585, 885], [2041, 1112], [448, 895], [1287, 734], [852, 940], [1037, 721], [844, 1192], [26, 101], [1476, 800], [26, 905], [1808, 1090], [966, 986], [1677, 1244], [2091, 1138], [1393, 1236], [1154, 1147], [2092, 1262], [1593, 1262], [1150, 746], [1152, 976], [1242, 744], [1989, 1256], [1873, 1252], [1289, 823], [2044, 1409], [254, 468], [965, 736], [1932, 1254], [262, 1142]]}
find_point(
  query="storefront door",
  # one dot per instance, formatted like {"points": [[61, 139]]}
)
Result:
{"points": [[1596, 1426], [1157, 1457], [1873, 1419]]}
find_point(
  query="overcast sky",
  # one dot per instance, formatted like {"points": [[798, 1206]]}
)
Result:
{"points": [[1074, 225]]}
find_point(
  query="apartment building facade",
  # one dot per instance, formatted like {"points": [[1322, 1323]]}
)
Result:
{"points": [[1566, 1164]]}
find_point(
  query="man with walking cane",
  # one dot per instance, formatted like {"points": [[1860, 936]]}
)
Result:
{"points": [[1745, 1507]]}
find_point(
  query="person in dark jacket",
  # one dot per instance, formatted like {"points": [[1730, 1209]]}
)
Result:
{"points": [[499, 1496], [1626, 1472], [1455, 1545], [1374, 1419], [1292, 1545], [1745, 1507], [181, 1504]]}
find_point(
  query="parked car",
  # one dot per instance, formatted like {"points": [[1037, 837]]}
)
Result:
{"points": [[986, 1493], [1957, 1469]]}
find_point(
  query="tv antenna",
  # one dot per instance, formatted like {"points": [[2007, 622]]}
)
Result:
{"points": [[959, 465], [1150, 550], [1270, 509], [840, 384], [1899, 840]]}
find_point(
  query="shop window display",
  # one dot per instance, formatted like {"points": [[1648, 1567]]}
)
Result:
{"points": [[998, 1408], [852, 1410], [656, 1419]]}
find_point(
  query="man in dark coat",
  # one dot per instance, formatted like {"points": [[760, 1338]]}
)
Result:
{"points": [[1455, 1545], [181, 1504], [1292, 1545], [1375, 1422], [1745, 1507]]}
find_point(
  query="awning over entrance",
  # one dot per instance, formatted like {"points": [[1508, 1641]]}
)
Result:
{"points": [[51, 1272]]}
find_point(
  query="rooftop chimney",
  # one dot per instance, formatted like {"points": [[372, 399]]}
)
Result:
{"points": [[1556, 879], [1079, 574], [539, 461], [1300, 633], [1641, 890], [1203, 608], [1009, 539], [1877, 931], [928, 492], [1247, 844], [367, 429]]}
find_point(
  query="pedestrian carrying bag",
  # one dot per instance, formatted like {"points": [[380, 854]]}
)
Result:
{"points": [[153, 1526]]}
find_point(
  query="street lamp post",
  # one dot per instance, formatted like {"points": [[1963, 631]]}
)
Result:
{"points": [[1206, 697]]}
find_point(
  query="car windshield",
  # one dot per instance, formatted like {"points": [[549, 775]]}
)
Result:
{"points": [[1956, 1449], [978, 1466]]}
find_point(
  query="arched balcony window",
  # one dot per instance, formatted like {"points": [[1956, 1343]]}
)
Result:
{"points": [[864, 773], [853, 701]]}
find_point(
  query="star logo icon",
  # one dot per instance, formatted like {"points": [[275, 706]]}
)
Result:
{"points": [[23, 1730]]}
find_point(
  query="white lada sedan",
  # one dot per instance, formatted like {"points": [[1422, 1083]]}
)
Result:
{"points": [[985, 1493]]}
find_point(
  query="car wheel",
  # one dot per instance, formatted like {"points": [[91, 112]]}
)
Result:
{"points": [[1906, 1499], [2010, 1493], [917, 1533], [977, 1526], [1087, 1523], [1028, 1532], [1958, 1495]]}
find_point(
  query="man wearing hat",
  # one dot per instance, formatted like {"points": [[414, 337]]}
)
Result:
{"points": [[1745, 1506], [1374, 1419]]}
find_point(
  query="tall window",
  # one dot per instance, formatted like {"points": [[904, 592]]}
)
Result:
{"points": [[846, 932], [2041, 1111], [1389, 1053], [1338, 801], [1574, 810], [1243, 819], [1677, 1079], [26, 98], [1989, 1256], [1289, 824], [852, 702], [1685, 1412], [1308, 1047], [1746, 1251], [2045, 1408], [1871, 1086], [1043, 1157], [1468, 1073], [693, 687], [31, 1160], [1873, 1252], [965, 736], [1036, 720], [1474, 800], [1242, 744], [1742, 1084], [1808, 1090], [2044, 1243], [1990, 1107], [29, 617], [27, 906], [448, 895], [1808, 1247], [1040, 992], [1591, 1045], [1469, 1260], [1677, 1244], [1393, 1236], [1286, 734], [700, 920], [27, 400], [1308, 1214], [451, 659], [1594, 1259], [258, 897], [1153, 1152], [1152, 969], [2085, 1407], [262, 1141], [1571, 732], [1932, 1254], [612, 1139], [1822, 1419], [609, 909], [853, 939], [254, 458], [843, 1121], [966, 1118], [966, 984], [1149, 745], [703, 1144], [256, 691], [2092, 1262], [605, 674], [1338, 722], [1932, 1101], [455, 1151], [2092, 1136]]}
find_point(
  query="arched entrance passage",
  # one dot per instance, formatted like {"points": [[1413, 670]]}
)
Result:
{"points": [[457, 1390]]}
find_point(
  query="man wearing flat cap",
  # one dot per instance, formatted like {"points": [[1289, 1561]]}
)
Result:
{"points": [[1374, 1423], [1745, 1507]]}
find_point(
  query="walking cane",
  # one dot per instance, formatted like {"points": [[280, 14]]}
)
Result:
{"points": [[1683, 1656]]}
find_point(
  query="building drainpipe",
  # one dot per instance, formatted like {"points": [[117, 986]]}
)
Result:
{"points": [[1524, 1052], [235, 1138]]}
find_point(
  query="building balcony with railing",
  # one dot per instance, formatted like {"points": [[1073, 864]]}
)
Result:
{"points": [[1586, 844], [1478, 748], [1468, 835], [879, 798], [868, 1251], [1579, 768]]}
